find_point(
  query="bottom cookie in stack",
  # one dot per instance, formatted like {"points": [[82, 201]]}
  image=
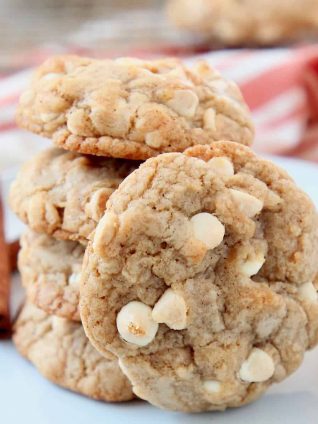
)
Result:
{"points": [[62, 353], [57, 345]]}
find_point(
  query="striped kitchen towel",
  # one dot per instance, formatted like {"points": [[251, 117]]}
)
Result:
{"points": [[280, 86]]}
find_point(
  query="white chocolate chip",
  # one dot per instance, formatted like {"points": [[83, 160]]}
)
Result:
{"points": [[253, 264], [51, 76], [171, 310], [308, 293], [248, 204], [258, 367], [212, 386], [135, 324], [48, 117], [74, 279], [208, 229], [184, 102], [105, 232], [222, 166], [209, 119], [154, 139]]}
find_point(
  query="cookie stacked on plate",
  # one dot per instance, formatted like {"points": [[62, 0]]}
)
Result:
{"points": [[193, 271]]}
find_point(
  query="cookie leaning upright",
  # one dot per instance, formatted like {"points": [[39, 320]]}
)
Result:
{"points": [[130, 108], [199, 277]]}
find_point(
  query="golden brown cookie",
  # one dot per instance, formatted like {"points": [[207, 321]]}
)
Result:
{"points": [[246, 22], [62, 353], [50, 270], [131, 108], [63, 194], [199, 277]]}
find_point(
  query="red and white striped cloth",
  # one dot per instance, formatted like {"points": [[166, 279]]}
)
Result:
{"points": [[280, 85]]}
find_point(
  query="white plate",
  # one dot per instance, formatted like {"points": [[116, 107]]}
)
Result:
{"points": [[26, 397]]}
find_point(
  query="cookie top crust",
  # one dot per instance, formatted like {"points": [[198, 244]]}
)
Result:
{"points": [[50, 271], [200, 278], [246, 22], [62, 353], [63, 194], [130, 108]]}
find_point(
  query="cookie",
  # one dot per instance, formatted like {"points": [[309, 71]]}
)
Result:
{"points": [[50, 272], [63, 194], [62, 353], [248, 22], [131, 108], [199, 277]]}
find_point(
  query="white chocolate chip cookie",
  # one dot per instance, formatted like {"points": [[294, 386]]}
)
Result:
{"points": [[50, 271], [201, 288], [132, 109], [246, 22], [62, 353], [64, 194]]}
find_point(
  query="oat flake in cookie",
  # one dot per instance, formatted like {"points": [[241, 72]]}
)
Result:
{"points": [[50, 270], [200, 278], [62, 353], [63, 194], [130, 108]]}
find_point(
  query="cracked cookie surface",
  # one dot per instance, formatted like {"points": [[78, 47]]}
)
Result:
{"points": [[50, 272], [62, 353], [246, 22], [132, 109], [63, 194], [200, 278]]}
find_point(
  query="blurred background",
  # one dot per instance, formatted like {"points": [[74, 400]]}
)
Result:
{"points": [[269, 48], [30, 28]]}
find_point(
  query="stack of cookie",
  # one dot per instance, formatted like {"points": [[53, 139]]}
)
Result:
{"points": [[48, 331], [193, 271]]}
